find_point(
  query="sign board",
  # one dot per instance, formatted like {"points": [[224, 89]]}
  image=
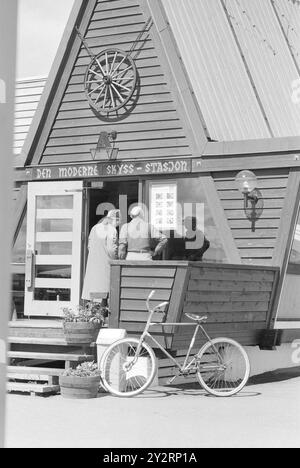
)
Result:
{"points": [[110, 169], [8, 33]]}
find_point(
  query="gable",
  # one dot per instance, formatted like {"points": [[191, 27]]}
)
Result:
{"points": [[150, 126]]}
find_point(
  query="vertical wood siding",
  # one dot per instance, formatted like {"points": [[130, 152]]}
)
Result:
{"points": [[151, 128], [254, 247]]}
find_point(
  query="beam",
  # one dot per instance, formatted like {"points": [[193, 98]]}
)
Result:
{"points": [[240, 161], [252, 147]]}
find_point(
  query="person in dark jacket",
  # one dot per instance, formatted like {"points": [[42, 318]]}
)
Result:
{"points": [[195, 241]]}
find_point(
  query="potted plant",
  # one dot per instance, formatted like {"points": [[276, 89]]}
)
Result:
{"points": [[81, 382], [82, 325]]}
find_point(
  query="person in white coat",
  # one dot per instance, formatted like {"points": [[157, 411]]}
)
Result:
{"points": [[103, 247]]}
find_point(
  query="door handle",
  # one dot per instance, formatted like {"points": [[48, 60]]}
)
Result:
{"points": [[29, 268]]}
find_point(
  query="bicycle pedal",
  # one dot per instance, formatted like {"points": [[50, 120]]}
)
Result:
{"points": [[171, 380]]}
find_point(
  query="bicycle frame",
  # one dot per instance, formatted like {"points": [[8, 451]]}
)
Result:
{"points": [[186, 365]]}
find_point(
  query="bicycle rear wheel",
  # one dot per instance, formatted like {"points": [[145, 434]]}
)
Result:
{"points": [[223, 367], [123, 373]]}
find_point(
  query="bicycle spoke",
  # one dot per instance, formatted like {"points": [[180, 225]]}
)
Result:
{"points": [[135, 370], [231, 367]]}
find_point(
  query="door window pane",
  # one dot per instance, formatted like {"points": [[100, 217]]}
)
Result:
{"points": [[53, 271], [54, 202], [48, 294], [53, 248], [54, 225]]}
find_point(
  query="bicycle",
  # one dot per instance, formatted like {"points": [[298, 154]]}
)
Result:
{"points": [[128, 366]]}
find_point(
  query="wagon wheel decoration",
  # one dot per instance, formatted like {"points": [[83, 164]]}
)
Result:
{"points": [[111, 76], [110, 80]]}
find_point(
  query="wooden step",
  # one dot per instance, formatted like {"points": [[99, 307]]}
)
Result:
{"points": [[36, 328], [37, 340], [32, 388], [14, 371], [57, 324], [50, 356]]}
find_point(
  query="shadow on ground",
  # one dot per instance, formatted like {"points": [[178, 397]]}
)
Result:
{"points": [[275, 376]]}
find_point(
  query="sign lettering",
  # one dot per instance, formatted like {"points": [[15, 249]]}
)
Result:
{"points": [[112, 169]]}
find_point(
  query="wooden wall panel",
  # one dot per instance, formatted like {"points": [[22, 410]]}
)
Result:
{"points": [[150, 126], [255, 247], [236, 300]]}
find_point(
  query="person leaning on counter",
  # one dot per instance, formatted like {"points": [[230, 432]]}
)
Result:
{"points": [[136, 238]]}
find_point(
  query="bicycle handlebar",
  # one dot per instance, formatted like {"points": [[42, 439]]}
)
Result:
{"points": [[163, 304]]}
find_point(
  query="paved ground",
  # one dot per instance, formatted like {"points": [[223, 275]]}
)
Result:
{"points": [[263, 415]]}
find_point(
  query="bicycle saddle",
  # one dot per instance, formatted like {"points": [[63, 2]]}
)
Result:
{"points": [[196, 317]]}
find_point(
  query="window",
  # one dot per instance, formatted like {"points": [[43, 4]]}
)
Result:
{"points": [[191, 203]]}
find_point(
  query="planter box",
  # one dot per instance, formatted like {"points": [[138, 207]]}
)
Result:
{"points": [[79, 387], [81, 332]]}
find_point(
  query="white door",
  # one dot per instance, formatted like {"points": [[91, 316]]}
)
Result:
{"points": [[53, 247]]}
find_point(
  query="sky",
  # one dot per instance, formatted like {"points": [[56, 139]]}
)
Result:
{"points": [[40, 27]]}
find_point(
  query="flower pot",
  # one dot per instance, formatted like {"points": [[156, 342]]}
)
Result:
{"points": [[81, 332], [75, 387]]}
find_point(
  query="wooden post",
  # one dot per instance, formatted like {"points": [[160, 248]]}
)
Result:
{"points": [[8, 32]]}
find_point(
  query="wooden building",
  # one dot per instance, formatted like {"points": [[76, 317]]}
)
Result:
{"points": [[194, 93]]}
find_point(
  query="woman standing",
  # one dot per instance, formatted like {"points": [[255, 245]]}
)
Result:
{"points": [[103, 247]]}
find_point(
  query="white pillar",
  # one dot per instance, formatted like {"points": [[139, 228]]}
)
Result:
{"points": [[8, 33]]}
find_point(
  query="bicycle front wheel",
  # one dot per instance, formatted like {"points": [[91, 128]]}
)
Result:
{"points": [[124, 372], [223, 367]]}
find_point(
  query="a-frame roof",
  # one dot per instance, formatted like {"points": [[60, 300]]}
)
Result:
{"points": [[243, 60], [197, 125], [65, 127]]}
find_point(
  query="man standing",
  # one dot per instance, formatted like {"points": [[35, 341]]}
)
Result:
{"points": [[136, 237]]}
